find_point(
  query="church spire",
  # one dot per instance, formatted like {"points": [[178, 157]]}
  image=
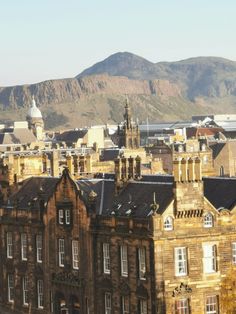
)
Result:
{"points": [[127, 115]]}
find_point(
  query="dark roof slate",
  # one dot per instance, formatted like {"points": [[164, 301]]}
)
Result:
{"points": [[216, 149]]}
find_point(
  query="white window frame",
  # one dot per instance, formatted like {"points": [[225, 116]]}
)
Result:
{"points": [[24, 246], [107, 303], [124, 260], [143, 306], [40, 293], [125, 304], [142, 263], [61, 252], [106, 258], [61, 216], [181, 266], [182, 306], [209, 258], [75, 254], [39, 248], [67, 216], [10, 288], [9, 245], [234, 252], [212, 304], [25, 288], [208, 221], [168, 223]]}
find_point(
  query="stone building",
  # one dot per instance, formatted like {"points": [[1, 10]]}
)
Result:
{"points": [[123, 244]]}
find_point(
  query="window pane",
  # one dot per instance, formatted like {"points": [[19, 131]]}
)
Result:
{"points": [[75, 254], [106, 258], [180, 261], [24, 246], [9, 245], [124, 260], [212, 305], [142, 262], [182, 306]]}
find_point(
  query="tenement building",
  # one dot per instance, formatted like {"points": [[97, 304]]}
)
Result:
{"points": [[118, 244]]}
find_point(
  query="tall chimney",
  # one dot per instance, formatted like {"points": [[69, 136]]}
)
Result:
{"points": [[131, 167], [191, 169], [138, 167], [198, 169], [184, 171], [123, 168], [176, 170]]}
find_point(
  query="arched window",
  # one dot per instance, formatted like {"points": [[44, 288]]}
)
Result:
{"points": [[208, 220], [168, 223]]}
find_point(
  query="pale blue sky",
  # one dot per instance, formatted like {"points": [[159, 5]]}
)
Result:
{"points": [[46, 39]]}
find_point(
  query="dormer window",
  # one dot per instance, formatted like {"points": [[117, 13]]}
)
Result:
{"points": [[168, 223], [67, 216], [208, 221], [61, 216], [64, 217]]}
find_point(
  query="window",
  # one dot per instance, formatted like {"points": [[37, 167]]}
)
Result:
{"points": [[212, 305], [61, 216], [125, 304], [25, 286], [209, 258], [168, 223], [40, 293], [9, 245], [10, 290], [75, 254], [143, 306], [142, 263], [208, 220], [61, 252], [234, 252], [182, 306], [24, 247], [106, 258], [39, 248], [107, 303], [124, 260], [67, 216], [180, 261]]}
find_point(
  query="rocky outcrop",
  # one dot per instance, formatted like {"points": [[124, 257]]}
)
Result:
{"points": [[72, 90]]}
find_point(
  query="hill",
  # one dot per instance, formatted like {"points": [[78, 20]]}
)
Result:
{"points": [[160, 91]]}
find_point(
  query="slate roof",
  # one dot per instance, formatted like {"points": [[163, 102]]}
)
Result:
{"points": [[216, 149], [221, 192], [71, 136], [134, 200], [28, 195]]}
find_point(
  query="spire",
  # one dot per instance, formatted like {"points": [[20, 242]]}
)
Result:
{"points": [[127, 116], [33, 102]]}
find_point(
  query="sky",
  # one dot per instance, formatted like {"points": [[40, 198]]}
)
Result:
{"points": [[50, 39]]}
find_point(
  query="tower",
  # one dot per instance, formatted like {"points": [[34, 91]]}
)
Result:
{"points": [[128, 132], [35, 120]]}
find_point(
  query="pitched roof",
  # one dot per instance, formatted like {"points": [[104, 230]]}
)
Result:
{"points": [[32, 188], [18, 136], [135, 199], [220, 191], [71, 136], [216, 149]]}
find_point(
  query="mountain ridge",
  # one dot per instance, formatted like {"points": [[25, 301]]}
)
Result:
{"points": [[171, 90]]}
